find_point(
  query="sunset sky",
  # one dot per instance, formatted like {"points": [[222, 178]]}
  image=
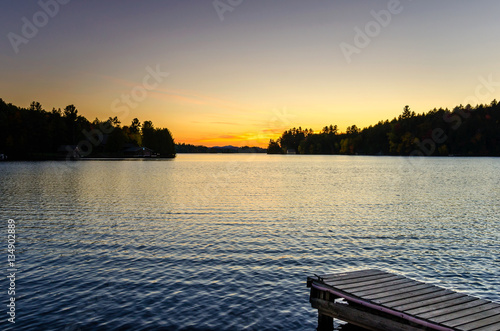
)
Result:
{"points": [[242, 71]]}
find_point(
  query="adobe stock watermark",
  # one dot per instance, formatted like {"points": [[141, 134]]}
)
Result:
{"points": [[280, 120], [12, 270], [223, 6], [372, 29], [122, 105], [139, 93], [483, 91], [30, 28]]}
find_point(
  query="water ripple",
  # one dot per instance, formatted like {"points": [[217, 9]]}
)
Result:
{"points": [[225, 242]]}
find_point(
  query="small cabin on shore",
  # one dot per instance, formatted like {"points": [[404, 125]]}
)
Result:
{"points": [[139, 152]]}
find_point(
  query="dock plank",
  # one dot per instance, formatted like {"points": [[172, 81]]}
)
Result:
{"points": [[425, 300], [350, 280], [367, 280], [353, 274], [405, 292], [473, 314], [444, 307], [387, 289], [372, 286], [386, 300], [491, 327], [485, 322], [361, 281]]}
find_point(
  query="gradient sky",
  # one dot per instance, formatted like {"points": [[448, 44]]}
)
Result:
{"points": [[266, 67]]}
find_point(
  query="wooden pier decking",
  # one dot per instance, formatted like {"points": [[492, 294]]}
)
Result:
{"points": [[379, 300]]}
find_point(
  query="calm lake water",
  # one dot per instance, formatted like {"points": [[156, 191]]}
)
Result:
{"points": [[226, 242]]}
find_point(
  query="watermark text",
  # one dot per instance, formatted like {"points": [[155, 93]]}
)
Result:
{"points": [[11, 270], [30, 28]]}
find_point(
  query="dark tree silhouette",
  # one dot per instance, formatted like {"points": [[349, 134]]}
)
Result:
{"points": [[274, 148], [33, 133], [135, 127], [464, 131]]}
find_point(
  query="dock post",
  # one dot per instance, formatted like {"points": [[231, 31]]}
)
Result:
{"points": [[325, 323]]}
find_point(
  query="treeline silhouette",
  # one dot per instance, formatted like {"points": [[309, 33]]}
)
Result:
{"points": [[463, 131], [34, 133]]}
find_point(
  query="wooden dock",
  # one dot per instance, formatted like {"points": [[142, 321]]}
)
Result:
{"points": [[379, 300]]}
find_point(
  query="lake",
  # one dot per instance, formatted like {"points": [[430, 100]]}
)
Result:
{"points": [[226, 242]]}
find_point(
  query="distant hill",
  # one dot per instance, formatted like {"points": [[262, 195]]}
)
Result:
{"points": [[188, 148]]}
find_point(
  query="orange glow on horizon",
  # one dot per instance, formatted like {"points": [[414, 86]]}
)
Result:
{"points": [[246, 139]]}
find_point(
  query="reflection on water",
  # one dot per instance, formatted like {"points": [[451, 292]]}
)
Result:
{"points": [[225, 242]]}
